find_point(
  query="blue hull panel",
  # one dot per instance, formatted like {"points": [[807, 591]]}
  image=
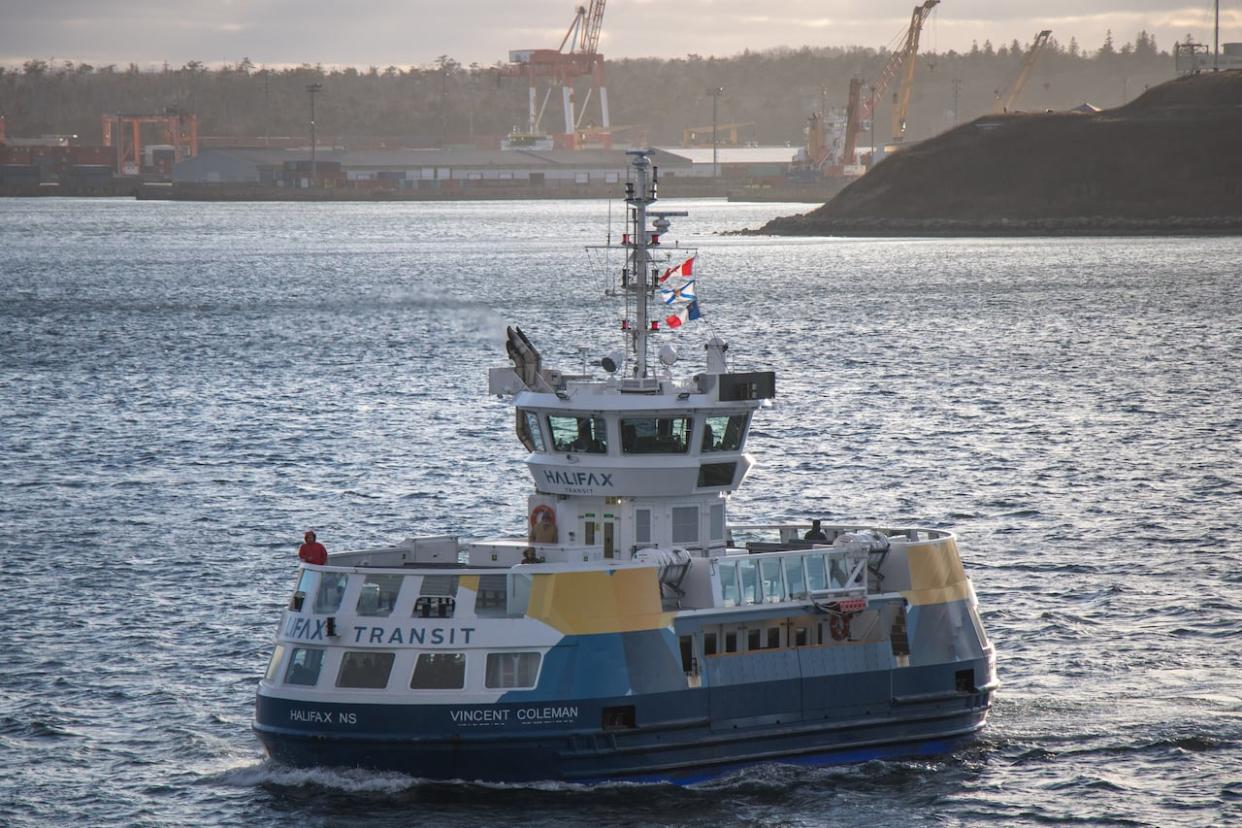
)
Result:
{"points": [[537, 764], [677, 738]]}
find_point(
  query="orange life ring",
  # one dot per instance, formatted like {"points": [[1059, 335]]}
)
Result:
{"points": [[542, 510]]}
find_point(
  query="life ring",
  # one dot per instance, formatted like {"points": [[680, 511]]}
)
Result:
{"points": [[536, 512], [839, 626]]}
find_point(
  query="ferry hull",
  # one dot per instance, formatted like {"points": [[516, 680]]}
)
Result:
{"points": [[682, 744]]}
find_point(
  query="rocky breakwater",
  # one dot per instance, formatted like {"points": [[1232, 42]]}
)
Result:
{"points": [[1167, 163]]}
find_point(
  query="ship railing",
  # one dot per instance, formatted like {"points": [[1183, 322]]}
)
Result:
{"points": [[819, 574], [793, 535]]}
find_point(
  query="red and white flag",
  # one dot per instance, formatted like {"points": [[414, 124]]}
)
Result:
{"points": [[687, 314], [685, 270]]}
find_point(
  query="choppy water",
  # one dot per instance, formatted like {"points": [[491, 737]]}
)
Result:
{"points": [[184, 388]]}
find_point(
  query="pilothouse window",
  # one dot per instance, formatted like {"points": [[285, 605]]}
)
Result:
{"points": [[655, 435], [724, 433], [578, 434], [528, 431]]}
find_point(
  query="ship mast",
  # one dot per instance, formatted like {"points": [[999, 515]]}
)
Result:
{"points": [[638, 194]]}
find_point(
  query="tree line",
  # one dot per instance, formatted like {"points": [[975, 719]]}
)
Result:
{"points": [[447, 104]]}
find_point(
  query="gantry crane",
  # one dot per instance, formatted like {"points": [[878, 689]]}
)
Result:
{"points": [[559, 68], [1005, 101], [177, 129]]}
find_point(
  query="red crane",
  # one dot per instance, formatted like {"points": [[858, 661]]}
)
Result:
{"points": [[560, 67], [177, 129]]}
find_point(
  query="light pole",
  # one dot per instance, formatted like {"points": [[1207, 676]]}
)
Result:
{"points": [[312, 89], [715, 92], [957, 87], [1216, 41]]}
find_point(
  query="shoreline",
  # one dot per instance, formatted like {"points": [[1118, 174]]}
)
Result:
{"points": [[1002, 227]]}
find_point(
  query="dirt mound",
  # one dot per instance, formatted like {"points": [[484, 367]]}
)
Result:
{"points": [[1168, 157]]}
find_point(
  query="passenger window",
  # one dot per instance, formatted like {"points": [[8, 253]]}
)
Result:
{"points": [[754, 641], [508, 670], [709, 644], [519, 593], [773, 586], [801, 639], [655, 435], [306, 582], [437, 597], [273, 666], [685, 524], [379, 595], [439, 671], [331, 591], [492, 599], [578, 434], [731, 642], [304, 666], [365, 670], [774, 638], [793, 576], [816, 575], [728, 585], [724, 433], [750, 582], [528, 431], [434, 607]]}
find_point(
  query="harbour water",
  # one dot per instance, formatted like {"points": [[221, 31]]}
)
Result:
{"points": [[184, 388]]}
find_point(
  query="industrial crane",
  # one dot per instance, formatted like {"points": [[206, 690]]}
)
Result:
{"points": [[901, 62], [860, 110], [577, 56], [1005, 101]]}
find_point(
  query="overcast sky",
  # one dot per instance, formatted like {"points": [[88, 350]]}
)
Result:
{"points": [[414, 32]]}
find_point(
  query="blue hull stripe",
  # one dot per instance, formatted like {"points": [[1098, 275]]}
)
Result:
{"points": [[676, 738]]}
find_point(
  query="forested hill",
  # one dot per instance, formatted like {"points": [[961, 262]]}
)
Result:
{"points": [[447, 103]]}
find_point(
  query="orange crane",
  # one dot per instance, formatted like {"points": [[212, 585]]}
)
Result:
{"points": [[177, 129], [559, 68], [902, 62], [1005, 101]]}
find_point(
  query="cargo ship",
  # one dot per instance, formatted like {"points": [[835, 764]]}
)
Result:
{"points": [[630, 631]]}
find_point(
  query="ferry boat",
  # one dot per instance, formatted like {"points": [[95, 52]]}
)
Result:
{"points": [[630, 632]]}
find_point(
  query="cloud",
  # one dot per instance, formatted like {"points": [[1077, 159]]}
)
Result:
{"points": [[405, 32]]}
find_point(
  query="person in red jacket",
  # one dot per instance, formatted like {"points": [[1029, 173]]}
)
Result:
{"points": [[313, 552]]}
